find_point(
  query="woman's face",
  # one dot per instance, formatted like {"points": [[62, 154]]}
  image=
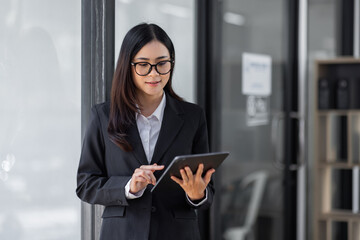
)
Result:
{"points": [[151, 85]]}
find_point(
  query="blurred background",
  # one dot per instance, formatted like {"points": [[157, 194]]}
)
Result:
{"points": [[57, 60], [40, 121]]}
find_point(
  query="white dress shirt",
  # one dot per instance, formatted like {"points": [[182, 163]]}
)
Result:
{"points": [[149, 129]]}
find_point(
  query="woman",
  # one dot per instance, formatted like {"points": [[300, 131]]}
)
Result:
{"points": [[130, 140]]}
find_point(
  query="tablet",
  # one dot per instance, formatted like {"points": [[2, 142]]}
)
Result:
{"points": [[210, 160]]}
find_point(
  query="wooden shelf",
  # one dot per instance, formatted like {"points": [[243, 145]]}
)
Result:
{"points": [[333, 136], [342, 60], [340, 215], [338, 165], [338, 112]]}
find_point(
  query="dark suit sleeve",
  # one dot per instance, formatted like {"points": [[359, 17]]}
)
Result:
{"points": [[93, 184], [201, 145]]}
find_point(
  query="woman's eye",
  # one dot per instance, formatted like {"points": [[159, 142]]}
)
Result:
{"points": [[143, 64], [162, 63]]}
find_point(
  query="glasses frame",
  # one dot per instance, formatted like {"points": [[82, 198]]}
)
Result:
{"points": [[153, 65]]}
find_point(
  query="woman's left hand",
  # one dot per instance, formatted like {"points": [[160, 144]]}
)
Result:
{"points": [[193, 184]]}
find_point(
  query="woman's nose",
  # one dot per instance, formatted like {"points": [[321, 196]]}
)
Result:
{"points": [[153, 71]]}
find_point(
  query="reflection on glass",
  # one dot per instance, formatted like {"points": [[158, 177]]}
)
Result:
{"points": [[40, 119], [4, 176], [8, 163], [251, 26], [240, 213]]}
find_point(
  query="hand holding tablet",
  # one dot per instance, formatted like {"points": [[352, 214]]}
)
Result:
{"points": [[209, 161], [194, 184]]}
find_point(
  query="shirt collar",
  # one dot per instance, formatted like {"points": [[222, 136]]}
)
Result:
{"points": [[159, 111]]}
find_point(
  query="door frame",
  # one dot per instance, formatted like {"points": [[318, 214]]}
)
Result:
{"points": [[97, 69]]}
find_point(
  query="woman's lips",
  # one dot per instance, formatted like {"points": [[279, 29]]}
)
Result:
{"points": [[154, 83]]}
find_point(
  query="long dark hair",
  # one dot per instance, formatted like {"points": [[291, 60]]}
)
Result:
{"points": [[123, 90]]}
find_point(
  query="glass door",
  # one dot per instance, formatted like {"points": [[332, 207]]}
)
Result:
{"points": [[253, 47], [40, 102]]}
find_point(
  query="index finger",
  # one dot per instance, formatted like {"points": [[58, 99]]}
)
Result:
{"points": [[152, 167]]}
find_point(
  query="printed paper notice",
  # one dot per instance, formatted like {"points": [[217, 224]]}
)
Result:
{"points": [[256, 74], [257, 109]]}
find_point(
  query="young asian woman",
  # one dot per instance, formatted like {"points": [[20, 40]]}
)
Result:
{"points": [[131, 139]]}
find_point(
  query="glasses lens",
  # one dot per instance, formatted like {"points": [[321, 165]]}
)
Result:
{"points": [[163, 67], [142, 68]]}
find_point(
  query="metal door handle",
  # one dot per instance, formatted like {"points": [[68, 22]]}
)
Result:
{"points": [[275, 126], [278, 160]]}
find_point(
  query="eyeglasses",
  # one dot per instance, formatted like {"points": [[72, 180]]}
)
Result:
{"points": [[144, 68]]}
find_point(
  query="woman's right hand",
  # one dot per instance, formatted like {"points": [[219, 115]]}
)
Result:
{"points": [[143, 176]]}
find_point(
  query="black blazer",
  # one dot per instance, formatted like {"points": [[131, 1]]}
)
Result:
{"points": [[105, 169]]}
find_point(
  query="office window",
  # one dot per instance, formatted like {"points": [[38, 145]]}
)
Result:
{"points": [[40, 119]]}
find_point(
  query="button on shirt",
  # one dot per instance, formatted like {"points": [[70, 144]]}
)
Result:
{"points": [[149, 129]]}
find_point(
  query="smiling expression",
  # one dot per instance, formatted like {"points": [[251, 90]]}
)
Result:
{"points": [[151, 85]]}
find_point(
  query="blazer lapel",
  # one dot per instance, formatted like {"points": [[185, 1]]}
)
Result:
{"points": [[171, 124], [135, 141]]}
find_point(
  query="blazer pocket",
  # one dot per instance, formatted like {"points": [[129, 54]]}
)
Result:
{"points": [[184, 214], [114, 211]]}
